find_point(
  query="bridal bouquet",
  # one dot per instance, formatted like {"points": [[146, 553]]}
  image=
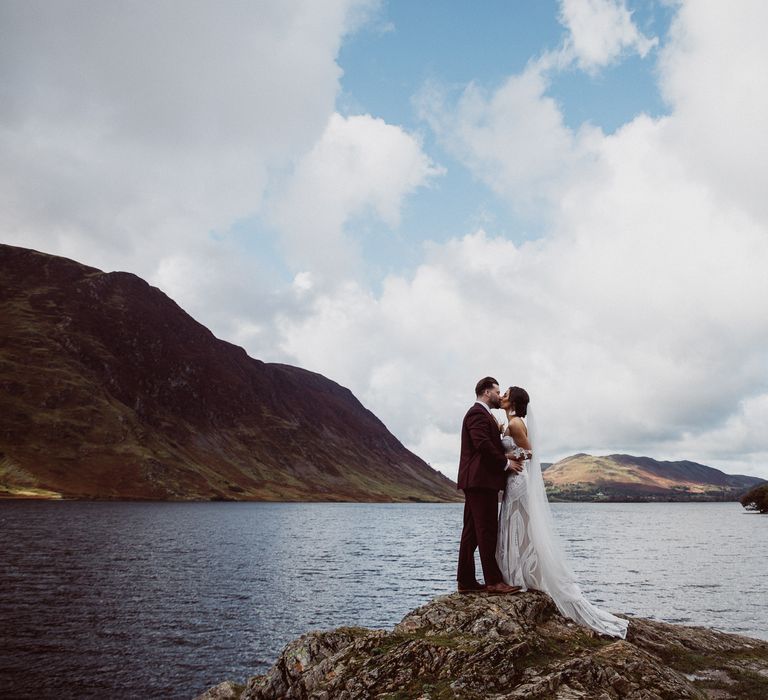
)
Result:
{"points": [[513, 451]]}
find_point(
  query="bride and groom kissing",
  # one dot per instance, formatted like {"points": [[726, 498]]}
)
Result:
{"points": [[519, 547]]}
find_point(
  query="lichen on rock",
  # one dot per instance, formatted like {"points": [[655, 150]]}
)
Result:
{"points": [[509, 647]]}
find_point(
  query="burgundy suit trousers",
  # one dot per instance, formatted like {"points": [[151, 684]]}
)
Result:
{"points": [[481, 530]]}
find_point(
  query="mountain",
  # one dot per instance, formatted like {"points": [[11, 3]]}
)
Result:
{"points": [[108, 390], [583, 477]]}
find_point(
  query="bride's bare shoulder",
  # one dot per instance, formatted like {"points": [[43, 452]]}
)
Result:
{"points": [[517, 426]]}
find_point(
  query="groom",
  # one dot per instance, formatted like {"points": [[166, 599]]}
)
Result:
{"points": [[483, 470]]}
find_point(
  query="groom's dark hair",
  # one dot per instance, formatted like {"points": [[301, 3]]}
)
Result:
{"points": [[483, 384]]}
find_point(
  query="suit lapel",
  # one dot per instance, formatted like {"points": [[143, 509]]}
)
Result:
{"points": [[493, 422], [490, 416]]}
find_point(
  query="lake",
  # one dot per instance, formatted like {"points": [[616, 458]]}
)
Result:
{"points": [[165, 600]]}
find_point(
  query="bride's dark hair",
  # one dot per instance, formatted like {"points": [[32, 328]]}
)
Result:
{"points": [[519, 399]]}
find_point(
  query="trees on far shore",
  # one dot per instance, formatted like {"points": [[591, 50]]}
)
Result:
{"points": [[756, 499]]}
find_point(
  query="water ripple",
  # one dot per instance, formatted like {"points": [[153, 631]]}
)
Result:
{"points": [[167, 599]]}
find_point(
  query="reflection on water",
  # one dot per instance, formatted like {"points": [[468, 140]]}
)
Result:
{"points": [[167, 599]]}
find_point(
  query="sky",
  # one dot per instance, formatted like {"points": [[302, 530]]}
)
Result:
{"points": [[407, 196]]}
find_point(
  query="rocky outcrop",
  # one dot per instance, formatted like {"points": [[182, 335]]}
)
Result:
{"points": [[756, 499], [509, 647], [109, 390]]}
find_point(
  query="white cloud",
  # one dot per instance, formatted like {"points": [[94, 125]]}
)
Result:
{"points": [[743, 432], [303, 282], [638, 323], [713, 75], [514, 139], [600, 31], [131, 131], [618, 355], [360, 164]]}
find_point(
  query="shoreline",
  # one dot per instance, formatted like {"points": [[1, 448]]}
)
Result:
{"points": [[119, 499]]}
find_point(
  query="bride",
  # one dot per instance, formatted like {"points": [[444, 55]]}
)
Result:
{"points": [[528, 551]]}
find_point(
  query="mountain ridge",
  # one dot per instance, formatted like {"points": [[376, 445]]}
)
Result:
{"points": [[109, 389], [622, 477]]}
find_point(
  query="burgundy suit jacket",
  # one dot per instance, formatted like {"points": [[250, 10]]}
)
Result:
{"points": [[482, 461]]}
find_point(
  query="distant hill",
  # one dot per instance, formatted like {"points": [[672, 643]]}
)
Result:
{"points": [[583, 477], [109, 390]]}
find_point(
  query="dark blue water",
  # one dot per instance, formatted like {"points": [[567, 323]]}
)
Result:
{"points": [[166, 599]]}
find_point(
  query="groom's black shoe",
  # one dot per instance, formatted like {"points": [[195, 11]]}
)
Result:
{"points": [[472, 588]]}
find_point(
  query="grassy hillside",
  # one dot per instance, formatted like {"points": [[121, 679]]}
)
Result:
{"points": [[109, 390], [585, 477]]}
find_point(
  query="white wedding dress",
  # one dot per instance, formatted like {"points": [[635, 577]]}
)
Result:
{"points": [[529, 553]]}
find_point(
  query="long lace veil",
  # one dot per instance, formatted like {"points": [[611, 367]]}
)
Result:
{"points": [[555, 572], [557, 579]]}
